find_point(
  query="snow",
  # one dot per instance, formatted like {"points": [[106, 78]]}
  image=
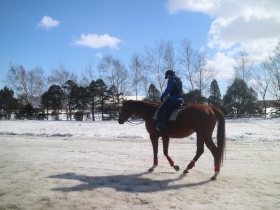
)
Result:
{"points": [[104, 165]]}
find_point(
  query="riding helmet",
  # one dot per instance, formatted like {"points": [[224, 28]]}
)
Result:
{"points": [[169, 72]]}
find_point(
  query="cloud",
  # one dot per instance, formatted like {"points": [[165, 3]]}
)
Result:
{"points": [[97, 41], [250, 25], [48, 22], [99, 55], [189, 5], [225, 68]]}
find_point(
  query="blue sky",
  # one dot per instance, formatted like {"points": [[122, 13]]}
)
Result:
{"points": [[74, 33]]}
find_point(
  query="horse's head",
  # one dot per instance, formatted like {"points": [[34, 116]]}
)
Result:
{"points": [[126, 112]]}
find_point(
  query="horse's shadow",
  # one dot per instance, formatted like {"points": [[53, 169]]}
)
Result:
{"points": [[124, 183]]}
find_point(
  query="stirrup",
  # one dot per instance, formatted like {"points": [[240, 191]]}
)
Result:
{"points": [[160, 127]]}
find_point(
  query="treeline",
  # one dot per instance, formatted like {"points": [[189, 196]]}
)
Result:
{"points": [[30, 92]]}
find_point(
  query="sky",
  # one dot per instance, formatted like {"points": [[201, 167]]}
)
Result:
{"points": [[78, 33]]}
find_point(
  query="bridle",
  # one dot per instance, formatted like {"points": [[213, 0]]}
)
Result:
{"points": [[129, 122]]}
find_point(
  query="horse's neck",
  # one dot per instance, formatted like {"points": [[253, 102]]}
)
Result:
{"points": [[144, 110]]}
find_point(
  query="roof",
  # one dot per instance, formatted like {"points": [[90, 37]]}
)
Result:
{"points": [[139, 98], [268, 103]]}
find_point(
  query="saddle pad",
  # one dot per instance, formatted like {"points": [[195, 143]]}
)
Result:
{"points": [[172, 117]]}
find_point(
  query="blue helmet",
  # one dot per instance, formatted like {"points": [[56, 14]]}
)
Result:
{"points": [[169, 72]]}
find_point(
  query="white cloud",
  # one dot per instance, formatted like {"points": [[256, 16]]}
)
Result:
{"points": [[189, 5], [97, 41], [99, 55], [250, 25], [223, 64], [224, 33], [48, 22]]}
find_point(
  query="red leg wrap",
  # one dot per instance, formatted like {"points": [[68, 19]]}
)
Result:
{"points": [[171, 162], [155, 161], [191, 165], [217, 169]]}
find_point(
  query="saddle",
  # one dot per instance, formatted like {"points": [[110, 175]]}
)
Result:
{"points": [[170, 116]]}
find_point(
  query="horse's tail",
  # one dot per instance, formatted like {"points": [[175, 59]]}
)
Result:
{"points": [[221, 138]]}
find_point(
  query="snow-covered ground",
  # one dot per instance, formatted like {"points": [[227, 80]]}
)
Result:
{"points": [[103, 165]]}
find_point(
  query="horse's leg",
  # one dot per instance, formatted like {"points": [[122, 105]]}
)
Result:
{"points": [[165, 142], [199, 152], [154, 140], [214, 150]]}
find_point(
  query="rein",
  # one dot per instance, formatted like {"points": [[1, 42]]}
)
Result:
{"points": [[129, 122]]}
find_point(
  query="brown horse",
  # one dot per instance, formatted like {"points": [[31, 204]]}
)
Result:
{"points": [[194, 118]]}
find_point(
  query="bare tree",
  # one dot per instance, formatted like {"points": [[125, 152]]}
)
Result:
{"points": [[87, 75], [146, 82], [40, 79], [28, 85], [61, 75], [203, 75], [272, 65], [36, 85], [243, 67], [154, 62], [17, 80], [187, 59], [115, 74], [137, 73], [261, 81], [158, 60], [169, 56]]}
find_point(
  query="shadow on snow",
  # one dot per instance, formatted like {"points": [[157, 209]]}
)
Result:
{"points": [[124, 183]]}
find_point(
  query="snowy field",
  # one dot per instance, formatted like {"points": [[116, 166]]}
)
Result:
{"points": [[103, 165]]}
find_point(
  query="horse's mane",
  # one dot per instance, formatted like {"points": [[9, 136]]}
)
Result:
{"points": [[147, 108], [142, 103]]}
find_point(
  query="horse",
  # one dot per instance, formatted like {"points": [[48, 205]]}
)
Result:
{"points": [[198, 118]]}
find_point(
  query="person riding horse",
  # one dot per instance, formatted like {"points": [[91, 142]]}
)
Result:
{"points": [[175, 92]]}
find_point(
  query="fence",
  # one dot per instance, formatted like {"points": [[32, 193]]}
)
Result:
{"points": [[248, 116], [111, 118], [60, 118], [65, 118]]}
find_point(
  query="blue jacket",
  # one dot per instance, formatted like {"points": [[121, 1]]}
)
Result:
{"points": [[174, 88]]}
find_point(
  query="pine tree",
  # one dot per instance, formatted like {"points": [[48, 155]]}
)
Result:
{"points": [[102, 90], [153, 94], [240, 97], [7, 102], [194, 97], [93, 96], [215, 98]]}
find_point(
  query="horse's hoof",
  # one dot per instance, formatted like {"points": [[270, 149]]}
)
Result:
{"points": [[177, 168], [185, 171], [215, 175], [152, 168]]}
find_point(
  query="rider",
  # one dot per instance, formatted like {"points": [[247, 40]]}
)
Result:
{"points": [[174, 90]]}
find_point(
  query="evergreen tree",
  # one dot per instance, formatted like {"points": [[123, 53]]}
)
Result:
{"points": [[7, 102], [53, 98], [82, 98], [28, 108], [46, 102], [71, 91], [241, 98], [92, 88], [102, 90], [276, 109], [114, 96], [194, 97], [153, 94], [215, 98]]}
